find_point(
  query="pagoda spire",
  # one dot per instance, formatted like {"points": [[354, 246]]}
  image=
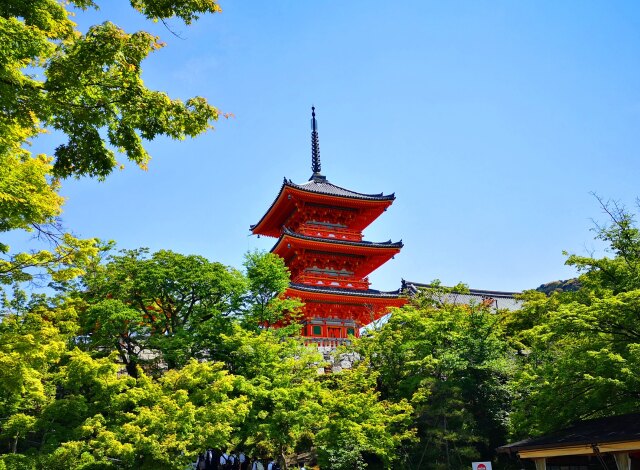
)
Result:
{"points": [[315, 149]]}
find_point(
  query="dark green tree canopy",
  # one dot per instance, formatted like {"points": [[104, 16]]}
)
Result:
{"points": [[167, 302], [265, 306], [452, 363], [583, 347]]}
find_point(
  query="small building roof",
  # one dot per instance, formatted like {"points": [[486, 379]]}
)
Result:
{"points": [[582, 437], [500, 299]]}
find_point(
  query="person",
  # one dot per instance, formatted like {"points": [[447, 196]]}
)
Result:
{"points": [[211, 459], [273, 465], [242, 461], [225, 461], [257, 465]]}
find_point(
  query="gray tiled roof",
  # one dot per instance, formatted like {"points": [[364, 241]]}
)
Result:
{"points": [[351, 292], [387, 244], [322, 186], [500, 299], [594, 431]]}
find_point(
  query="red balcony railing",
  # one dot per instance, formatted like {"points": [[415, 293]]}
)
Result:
{"points": [[326, 281]]}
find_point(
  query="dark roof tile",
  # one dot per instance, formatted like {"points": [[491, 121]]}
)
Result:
{"points": [[342, 291], [594, 431], [324, 187], [501, 300], [387, 244]]}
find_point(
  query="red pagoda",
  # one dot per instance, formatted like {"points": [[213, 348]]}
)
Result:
{"points": [[319, 230]]}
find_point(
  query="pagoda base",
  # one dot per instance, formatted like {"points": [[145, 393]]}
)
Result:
{"points": [[329, 330], [332, 314]]}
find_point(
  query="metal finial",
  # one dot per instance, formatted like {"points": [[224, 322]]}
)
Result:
{"points": [[315, 146]]}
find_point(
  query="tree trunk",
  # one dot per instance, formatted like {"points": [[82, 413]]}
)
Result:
{"points": [[125, 357], [446, 442], [132, 369]]}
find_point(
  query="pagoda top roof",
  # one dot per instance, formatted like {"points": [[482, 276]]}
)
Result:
{"points": [[319, 190], [363, 243], [349, 292], [321, 185]]}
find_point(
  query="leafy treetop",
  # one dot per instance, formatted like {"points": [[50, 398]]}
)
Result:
{"points": [[88, 87]]}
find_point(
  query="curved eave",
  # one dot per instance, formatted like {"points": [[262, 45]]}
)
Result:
{"points": [[273, 219], [256, 228], [328, 244], [390, 299], [331, 189]]}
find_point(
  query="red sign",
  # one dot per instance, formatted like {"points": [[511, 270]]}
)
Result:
{"points": [[481, 465]]}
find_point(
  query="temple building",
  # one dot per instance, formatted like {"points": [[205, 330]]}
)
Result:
{"points": [[495, 300], [612, 442], [318, 227]]}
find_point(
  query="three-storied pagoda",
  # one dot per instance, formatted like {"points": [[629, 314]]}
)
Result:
{"points": [[319, 230]]}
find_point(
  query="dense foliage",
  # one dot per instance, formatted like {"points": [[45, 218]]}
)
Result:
{"points": [[143, 360], [149, 359], [583, 347], [87, 87], [452, 363]]}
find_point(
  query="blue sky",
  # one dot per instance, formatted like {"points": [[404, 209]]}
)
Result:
{"points": [[491, 121]]}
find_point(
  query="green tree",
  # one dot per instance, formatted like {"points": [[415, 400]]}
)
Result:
{"points": [[17, 426], [452, 363], [89, 83], [88, 87], [174, 304], [268, 278], [113, 325], [61, 408], [32, 341], [281, 380], [583, 347], [103, 418], [358, 425], [191, 409]]}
